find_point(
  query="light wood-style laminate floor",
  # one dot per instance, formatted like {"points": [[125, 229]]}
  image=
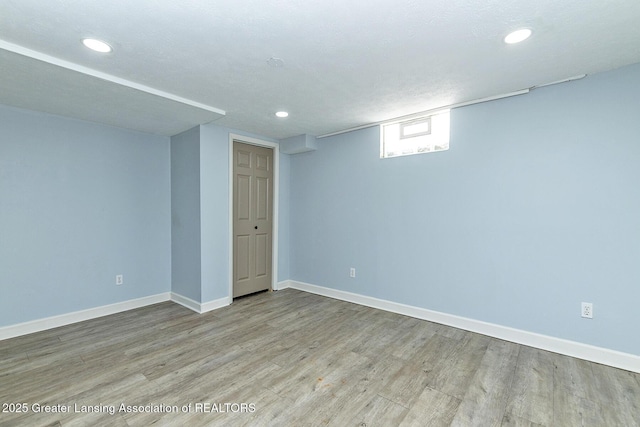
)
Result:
{"points": [[300, 360]]}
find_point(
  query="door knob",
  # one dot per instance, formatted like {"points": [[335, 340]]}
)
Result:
{"points": [[256, 227]]}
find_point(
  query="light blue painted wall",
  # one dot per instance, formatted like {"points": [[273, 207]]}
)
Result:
{"points": [[214, 210], [185, 214], [79, 203], [534, 209], [214, 181], [284, 265]]}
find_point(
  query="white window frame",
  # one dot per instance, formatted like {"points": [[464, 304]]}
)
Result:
{"points": [[396, 142], [409, 123]]}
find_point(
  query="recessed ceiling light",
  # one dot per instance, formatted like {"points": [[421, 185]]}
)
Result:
{"points": [[97, 45], [517, 36], [282, 114]]}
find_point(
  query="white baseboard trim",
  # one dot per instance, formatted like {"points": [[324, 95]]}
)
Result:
{"points": [[199, 307], [629, 362], [283, 285], [215, 304], [38, 325], [185, 302]]}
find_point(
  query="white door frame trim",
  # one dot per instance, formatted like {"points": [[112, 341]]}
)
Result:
{"points": [[276, 199]]}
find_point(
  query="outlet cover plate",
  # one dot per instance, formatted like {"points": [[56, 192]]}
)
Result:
{"points": [[587, 310]]}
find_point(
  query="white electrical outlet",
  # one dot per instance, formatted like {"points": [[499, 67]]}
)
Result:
{"points": [[119, 279], [587, 310], [352, 272]]}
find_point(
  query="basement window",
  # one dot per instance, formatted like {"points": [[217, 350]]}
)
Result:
{"points": [[425, 134]]}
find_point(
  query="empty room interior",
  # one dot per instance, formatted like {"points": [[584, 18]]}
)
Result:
{"points": [[342, 213]]}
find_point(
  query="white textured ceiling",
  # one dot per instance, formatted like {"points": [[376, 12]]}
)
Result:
{"points": [[346, 62]]}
